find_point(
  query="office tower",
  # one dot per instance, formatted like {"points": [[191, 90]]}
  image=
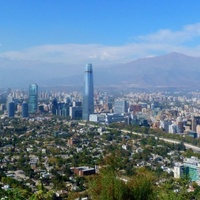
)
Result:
{"points": [[75, 112], [11, 109], [24, 109], [120, 106], [33, 98], [195, 122], [54, 106], [61, 110], [192, 168], [76, 103], [88, 96], [9, 99], [164, 124]]}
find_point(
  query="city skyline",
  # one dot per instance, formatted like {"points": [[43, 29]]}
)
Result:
{"points": [[111, 90]]}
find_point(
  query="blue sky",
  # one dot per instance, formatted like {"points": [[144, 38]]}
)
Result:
{"points": [[97, 31]]}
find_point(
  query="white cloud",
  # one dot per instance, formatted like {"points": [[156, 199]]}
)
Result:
{"points": [[188, 33], [163, 41]]}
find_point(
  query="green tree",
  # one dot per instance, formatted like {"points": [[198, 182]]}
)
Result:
{"points": [[14, 193], [109, 186]]}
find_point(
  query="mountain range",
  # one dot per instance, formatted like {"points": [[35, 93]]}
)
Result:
{"points": [[170, 70]]}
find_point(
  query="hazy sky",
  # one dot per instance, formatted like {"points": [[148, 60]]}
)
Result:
{"points": [[97, 31]]}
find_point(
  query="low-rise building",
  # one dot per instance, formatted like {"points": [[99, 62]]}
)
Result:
{"points": [[83, 171]]}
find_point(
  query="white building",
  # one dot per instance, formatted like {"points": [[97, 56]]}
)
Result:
{"points": [[164, 124], [173, 128], [178, 170]]}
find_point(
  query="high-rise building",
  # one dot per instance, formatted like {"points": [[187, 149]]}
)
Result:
{"points": [[62, 109], [195, 122], [24, 109], [88, 96], [190, 167], [120, 106], [54, 106], [11, 109], [33, 98], [75, 112], [9, 99]]}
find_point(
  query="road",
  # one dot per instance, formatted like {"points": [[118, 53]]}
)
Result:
{"points": [[187, 145]]}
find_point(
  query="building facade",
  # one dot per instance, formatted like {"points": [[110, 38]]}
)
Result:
{"points": [[24, 109], [88, 95], [195, 122], [33, 98], [108, 118], [179, 170], [54, 106], [11, 109], [84, 171], [120, 106], [190, 167], [75, 112]]}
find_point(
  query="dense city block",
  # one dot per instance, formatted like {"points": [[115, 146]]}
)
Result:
{"points": [[51, 153]]}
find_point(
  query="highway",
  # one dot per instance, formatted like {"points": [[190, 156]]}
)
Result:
{"points": [[187, 145]]}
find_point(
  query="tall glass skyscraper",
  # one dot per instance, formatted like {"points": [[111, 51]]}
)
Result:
{"points": [[24, 109], [11, 109], [33, 98], [88, 95]]}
